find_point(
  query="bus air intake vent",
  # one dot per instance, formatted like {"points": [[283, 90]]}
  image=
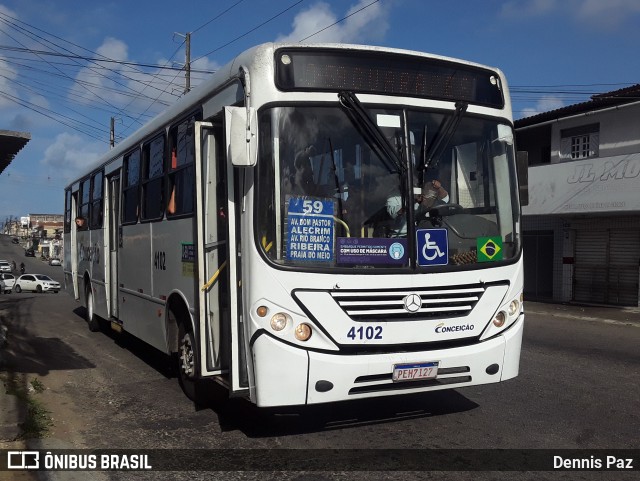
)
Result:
{"points": [[380, 383], [409, 304]]}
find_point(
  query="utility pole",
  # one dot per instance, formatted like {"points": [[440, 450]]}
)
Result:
{"points": [[187, 63], [112, 134]]}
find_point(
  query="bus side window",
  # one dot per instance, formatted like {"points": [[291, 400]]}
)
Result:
{"points": [[153, 177], [82, 219], [130, 192], [67, 211], [181, 178], [96, 201]]}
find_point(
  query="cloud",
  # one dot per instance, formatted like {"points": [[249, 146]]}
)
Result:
{"points": [[545, 104], [118, 86], [369, 23], [70, 154], [527, 8], [596, 13], [21, 123], [607, 13], [7, 76]]}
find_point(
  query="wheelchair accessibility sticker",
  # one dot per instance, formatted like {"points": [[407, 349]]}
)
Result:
{"points": [[433, 247]]}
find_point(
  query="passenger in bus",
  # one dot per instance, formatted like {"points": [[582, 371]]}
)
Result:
{"points": [[432, 194]]}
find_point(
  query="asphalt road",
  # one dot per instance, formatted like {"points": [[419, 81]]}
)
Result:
{"points": [[578, 389]]}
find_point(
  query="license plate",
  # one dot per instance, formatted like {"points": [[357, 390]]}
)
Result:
{"points": [[415, 372]]}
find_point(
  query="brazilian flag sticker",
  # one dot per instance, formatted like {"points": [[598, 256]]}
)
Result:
{"points": [[489, 249]]}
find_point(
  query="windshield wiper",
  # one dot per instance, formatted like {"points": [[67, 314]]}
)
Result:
{"points": [[443, 136], [368, 127]]}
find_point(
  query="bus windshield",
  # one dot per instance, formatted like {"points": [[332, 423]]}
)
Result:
{"points": [[329, 197]]}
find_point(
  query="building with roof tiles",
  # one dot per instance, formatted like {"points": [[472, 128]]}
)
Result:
{"points": [[581, 228]]}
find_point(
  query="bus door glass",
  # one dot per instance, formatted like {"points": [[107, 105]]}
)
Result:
{"points": [[212, 247], [74, 242], [114, 240]]}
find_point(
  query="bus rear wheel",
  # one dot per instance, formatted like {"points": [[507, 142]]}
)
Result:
{"points": [[92, 320]]}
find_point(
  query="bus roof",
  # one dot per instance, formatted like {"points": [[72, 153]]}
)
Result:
{"points": [[256, 55]]}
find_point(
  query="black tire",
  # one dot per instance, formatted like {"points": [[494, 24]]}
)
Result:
{"points": [[92, 320], [18, 289], [39, 289], [187, 362]]}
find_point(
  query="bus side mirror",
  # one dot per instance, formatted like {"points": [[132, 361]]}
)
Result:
{"points": [[522, 163], [242, 140]]}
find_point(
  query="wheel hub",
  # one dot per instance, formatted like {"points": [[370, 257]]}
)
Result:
{"points": [[186, 356]]}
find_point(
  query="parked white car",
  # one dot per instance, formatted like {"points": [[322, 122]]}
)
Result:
{"points": [[5, 266], [9, 280], [37, 283], [54, 261]]}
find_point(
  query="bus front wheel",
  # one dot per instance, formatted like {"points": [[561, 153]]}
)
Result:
{"points": [[187, 362]]}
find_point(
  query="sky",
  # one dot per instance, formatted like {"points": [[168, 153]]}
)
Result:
{"points": [[52, 84]]}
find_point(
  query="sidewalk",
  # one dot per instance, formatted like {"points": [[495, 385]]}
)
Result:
{"points": [[11, 411], [629, 316]]}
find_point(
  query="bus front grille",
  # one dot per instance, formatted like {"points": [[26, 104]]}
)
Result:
{"points": [[409, 304]]}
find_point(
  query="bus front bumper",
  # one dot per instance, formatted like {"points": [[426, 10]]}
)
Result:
{"points": [[287, 375]]}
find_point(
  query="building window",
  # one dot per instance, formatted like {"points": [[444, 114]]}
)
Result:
{"points": [[580, 142], [580, 147]]}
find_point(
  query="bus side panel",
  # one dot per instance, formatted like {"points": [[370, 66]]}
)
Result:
{"points": [[83, 262], [174, 263], [98, 272], [138, 309]]}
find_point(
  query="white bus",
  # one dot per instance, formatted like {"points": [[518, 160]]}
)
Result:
{"points": [[315, 223]]}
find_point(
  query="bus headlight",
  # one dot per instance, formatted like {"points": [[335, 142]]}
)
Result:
{"points": [[279, 321], [514, 307], [499, 319], [302, 332]]}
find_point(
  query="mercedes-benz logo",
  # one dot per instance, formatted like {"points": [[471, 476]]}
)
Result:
{"points": [[412, 302]]}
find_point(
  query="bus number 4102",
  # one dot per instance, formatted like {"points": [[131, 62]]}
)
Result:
{"points": [[159, 261], [362, 333]]}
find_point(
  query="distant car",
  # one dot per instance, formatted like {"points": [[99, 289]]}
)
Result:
{"points": [[37, 283], [5, 266], [55, 262], [9, 280], [15, 240], [29, 253]]}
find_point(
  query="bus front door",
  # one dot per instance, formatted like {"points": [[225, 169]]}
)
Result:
{"points": [[114, 239], [215, 275]]}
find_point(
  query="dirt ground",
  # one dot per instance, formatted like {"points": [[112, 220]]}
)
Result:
{"points": [[24, 373]]}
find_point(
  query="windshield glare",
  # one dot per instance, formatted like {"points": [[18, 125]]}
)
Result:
{"points": [[327, 198]]}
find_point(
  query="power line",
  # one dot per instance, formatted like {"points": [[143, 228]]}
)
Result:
{"points": [[92, 59], [336, 23], [252, 30], [217, 17]]}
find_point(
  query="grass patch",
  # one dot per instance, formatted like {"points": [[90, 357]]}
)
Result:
{"points": [[37, 385], [38, 422]]}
